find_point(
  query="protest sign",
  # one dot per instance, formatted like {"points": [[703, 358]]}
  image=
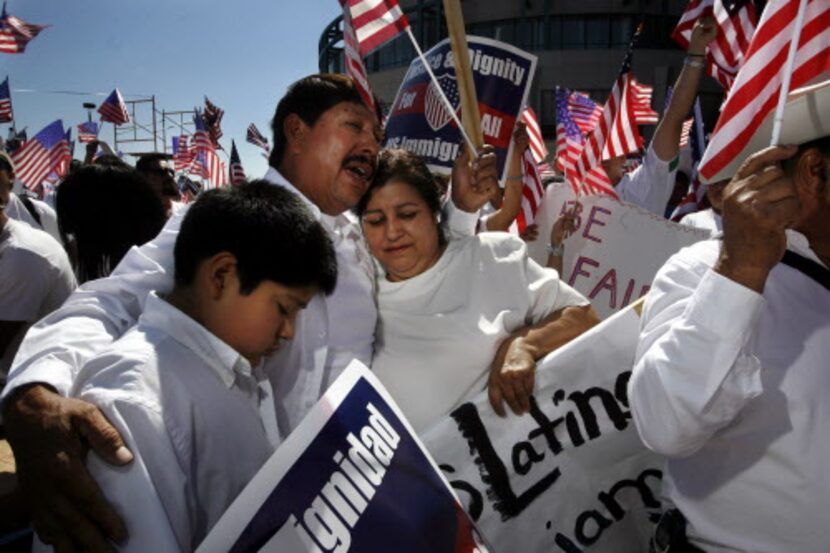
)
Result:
{"points": [[616, 250], [352, 475], [572, 475], [419, 122]]}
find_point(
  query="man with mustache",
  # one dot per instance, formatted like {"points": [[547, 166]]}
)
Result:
{"points": [[326, 143], [160, 172]]}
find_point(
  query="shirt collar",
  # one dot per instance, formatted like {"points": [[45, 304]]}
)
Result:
{"points": [[333, 223], [798, 243], [225, 361]]}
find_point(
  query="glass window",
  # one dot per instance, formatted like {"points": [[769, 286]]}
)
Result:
{"points": [[621, 30], [505, 31], [573, 32], [597, 32]]}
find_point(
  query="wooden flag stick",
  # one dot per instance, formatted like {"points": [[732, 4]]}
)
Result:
{"points": [[470, 116]]}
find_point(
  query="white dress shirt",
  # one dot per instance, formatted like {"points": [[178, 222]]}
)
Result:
{"points": [[734, 387], [439, 331], [198, 432], [706, 219], [35, 279], [650, 185], [329, 332], [48, 218]]}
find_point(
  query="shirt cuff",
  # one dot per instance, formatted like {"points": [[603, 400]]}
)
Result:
{"points": [[57, 375], [460, 223]]}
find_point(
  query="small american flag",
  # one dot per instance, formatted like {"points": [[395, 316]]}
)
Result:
{"points": [[584, 111], [15, 33], [643, 114], [684, 132], [256, 138], [206, 162], [532, 192], [534, 131], [693, 199], [375, 22], [45, 152], [237, 172], [213, 121], [87, 132], [5, 102], [114, 110], [182, 155], [354, 63], [736, 24], [569, 146], [755, 92]]}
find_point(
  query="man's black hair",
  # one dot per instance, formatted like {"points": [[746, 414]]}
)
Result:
{"points": [[269, 230], [309, 98], [147, 161]]}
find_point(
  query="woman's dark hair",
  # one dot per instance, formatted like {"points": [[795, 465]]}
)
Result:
{"points": [[102, 212], [269, 230], [309, 98], [404, 166]]}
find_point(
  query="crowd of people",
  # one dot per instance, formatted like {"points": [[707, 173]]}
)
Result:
{"points": [[181, 344]]}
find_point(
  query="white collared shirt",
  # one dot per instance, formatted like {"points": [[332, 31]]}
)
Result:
{"points": [[650, 185], [329, 332], [705, 219], [196, 417], [734, 387]]}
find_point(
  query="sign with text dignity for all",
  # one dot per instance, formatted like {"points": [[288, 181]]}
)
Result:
{"points": [[420, 122], [351, 477]]}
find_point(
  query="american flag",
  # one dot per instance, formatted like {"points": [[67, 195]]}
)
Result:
{"points": [[87, 132], [615, 135], [643, 113], [65, 155], [15, 33], [375, 22], [206, 162], [257, 139], [114, 110], [354, 63], [755, 91], [684, 132], [237, 172], [213, 121], [534, 131], [5, 102], [736, 24], [45, 152], [182, 155], [694, 195], [569, 145], [584, 111], [201, 136], [532, 192]]}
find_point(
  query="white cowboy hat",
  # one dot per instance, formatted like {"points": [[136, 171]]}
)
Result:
{"points": [[806, 118]]}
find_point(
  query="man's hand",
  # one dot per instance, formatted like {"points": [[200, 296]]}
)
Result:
{"points": [[758, 205], [49, 436], [563, 227], [512, 376], [473, 182], [704, 32], [530, 233]]}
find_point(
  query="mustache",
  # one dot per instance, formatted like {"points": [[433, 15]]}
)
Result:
{"points": [[372, 162]]}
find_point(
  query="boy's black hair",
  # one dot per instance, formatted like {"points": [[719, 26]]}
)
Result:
{"points": [[269, 230]]}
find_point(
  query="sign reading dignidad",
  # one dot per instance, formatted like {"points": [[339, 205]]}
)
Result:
{"points": [[352, 476], [419, 121]]}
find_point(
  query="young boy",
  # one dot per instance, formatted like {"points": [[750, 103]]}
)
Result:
{"points": [[183, 386]]}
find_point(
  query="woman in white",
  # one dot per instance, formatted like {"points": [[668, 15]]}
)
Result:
{"points": [[456, 317]]}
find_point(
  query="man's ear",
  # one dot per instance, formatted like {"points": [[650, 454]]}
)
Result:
{"points": [[811, 171], [294, 129], [220, 273]]}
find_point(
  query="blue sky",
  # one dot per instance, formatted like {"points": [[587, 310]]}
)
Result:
{"points": [[242, 55]]}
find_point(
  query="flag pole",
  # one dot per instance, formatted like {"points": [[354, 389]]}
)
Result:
{"points": [[463, 72], [788, 72], [447, 105]]}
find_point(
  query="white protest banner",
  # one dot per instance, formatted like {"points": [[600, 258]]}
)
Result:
{"points": [[572, 475], [353, 475], [419, 122], [616, 250]]}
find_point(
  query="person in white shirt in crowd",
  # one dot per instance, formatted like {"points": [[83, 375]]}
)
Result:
{"points": [[461, 315], [35, 275], [731, 380], [247, 260], [160, 172], [24, 208], [710, 218], [650, 185], [326, 143], [103, 211]]}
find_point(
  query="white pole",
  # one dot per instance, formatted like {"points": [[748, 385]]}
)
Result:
{"points": [[788, 72], [441, 94]]}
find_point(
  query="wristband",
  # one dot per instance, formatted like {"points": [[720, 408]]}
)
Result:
{"points": [[695, 55], [694, 63], [557, 250]]}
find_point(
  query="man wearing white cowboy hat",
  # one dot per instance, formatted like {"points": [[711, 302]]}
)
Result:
{"points": [[732, 373]]}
